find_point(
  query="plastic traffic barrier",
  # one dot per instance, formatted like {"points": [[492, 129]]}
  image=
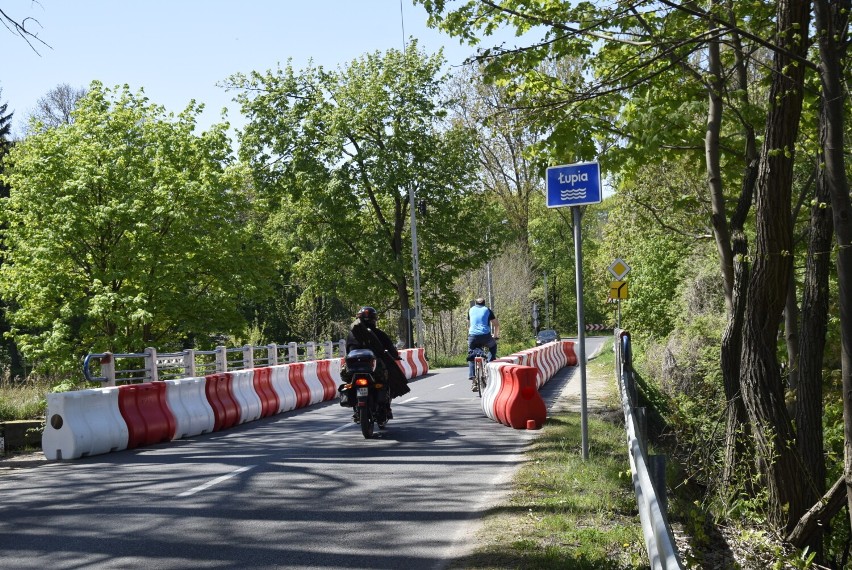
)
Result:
{"points": [[242, 386], [493, 387], [283, 389], [326, 378], [311, 376], [269, 402], [188, 402], [297, 381], [405, 365], [524, 404], [82, 423], [146, 413], [421, 364], [225, 408], [568, 347]]}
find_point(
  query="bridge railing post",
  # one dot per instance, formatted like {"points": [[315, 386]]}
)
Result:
{"points": [[221, 359], [189, 363], [108, 368], [248, 357], [151, 372]]}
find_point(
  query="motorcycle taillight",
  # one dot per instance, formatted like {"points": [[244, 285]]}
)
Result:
{"points": [[362, 382]]}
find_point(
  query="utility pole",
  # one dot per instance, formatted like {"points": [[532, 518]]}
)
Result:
{"points": [[415, 263]]}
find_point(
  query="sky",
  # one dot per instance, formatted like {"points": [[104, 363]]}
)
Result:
{"points": [[178, 50]]}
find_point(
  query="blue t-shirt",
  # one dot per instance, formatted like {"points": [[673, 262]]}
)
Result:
{"points": [[480, 318]]}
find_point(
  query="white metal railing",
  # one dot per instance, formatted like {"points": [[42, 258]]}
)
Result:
{"points": [[649, 484], [149, 366]]}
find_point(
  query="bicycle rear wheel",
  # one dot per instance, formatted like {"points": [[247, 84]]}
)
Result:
{"points": [[479, 377]]}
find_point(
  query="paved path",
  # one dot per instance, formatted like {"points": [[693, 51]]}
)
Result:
{"points": [[600, 391]]}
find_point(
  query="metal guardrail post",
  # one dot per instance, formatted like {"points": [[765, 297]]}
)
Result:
{"points": [[641, 415], [292, 352], [151, 372], [657, 471]]}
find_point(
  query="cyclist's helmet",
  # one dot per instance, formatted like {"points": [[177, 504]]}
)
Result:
{"points": [[368, 316]]}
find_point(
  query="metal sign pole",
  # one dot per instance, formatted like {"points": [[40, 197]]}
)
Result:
{"points": [[581, 330], [576, 185]]}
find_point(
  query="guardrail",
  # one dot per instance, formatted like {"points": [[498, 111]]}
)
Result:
{"points": [[149, 366], [648, 471]]}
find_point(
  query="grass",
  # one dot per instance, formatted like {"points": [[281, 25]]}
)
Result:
{"points": [[564, 512], [22, 399]]}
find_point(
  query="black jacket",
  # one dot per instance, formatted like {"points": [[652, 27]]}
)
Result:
{"points": [[362, 336]]}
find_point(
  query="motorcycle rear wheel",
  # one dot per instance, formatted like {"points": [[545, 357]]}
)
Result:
{"points": [[366, 423]]}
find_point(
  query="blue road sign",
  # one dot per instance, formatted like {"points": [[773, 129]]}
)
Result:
{"points": [[574, 184]]}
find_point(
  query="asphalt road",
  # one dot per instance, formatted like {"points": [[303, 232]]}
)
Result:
{"points": [[302, 489]]}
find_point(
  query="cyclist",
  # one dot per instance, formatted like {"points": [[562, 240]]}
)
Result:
{"points": [[483, 332]]}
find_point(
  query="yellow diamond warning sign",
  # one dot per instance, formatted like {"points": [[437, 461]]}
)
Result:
{"points": [[619, 269]]}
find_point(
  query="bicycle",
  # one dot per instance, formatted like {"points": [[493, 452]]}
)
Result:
{"points": [[481, 356]]}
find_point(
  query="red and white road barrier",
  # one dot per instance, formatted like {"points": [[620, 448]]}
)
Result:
{"points": [[101, 420], [512, 382]]}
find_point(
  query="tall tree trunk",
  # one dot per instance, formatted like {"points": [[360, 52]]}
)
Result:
{"points": [[714, 177], [737, 437], [791, 339], [763, 388], [832, 20], [814, 323], [736, 425]]}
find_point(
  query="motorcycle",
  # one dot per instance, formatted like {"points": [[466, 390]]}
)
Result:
{"points": [[365, 391]]}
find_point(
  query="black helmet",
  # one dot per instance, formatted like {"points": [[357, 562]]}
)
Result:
{"points": [[368, 315]]}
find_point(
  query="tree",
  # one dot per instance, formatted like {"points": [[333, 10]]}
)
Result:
{"points": [[651, 66], [337, 154], [5, 125], [832, 21], [763, 388], [125, 229], [55, 108]]}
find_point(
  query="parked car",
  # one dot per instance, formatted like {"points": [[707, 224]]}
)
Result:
{"points": [[545, 336]]}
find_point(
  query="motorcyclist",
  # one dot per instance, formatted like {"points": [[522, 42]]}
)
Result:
{"points": [[365, 333]]}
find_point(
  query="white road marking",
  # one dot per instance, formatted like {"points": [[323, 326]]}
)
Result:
{"points": [[215, 481], [447, 386], [338, 429]]}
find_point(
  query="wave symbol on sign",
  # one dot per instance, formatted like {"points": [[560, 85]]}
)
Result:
{"points": [[572, 194]]}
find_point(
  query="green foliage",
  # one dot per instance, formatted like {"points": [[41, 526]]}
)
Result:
{"points": [[124, 229], [336, 154]]}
